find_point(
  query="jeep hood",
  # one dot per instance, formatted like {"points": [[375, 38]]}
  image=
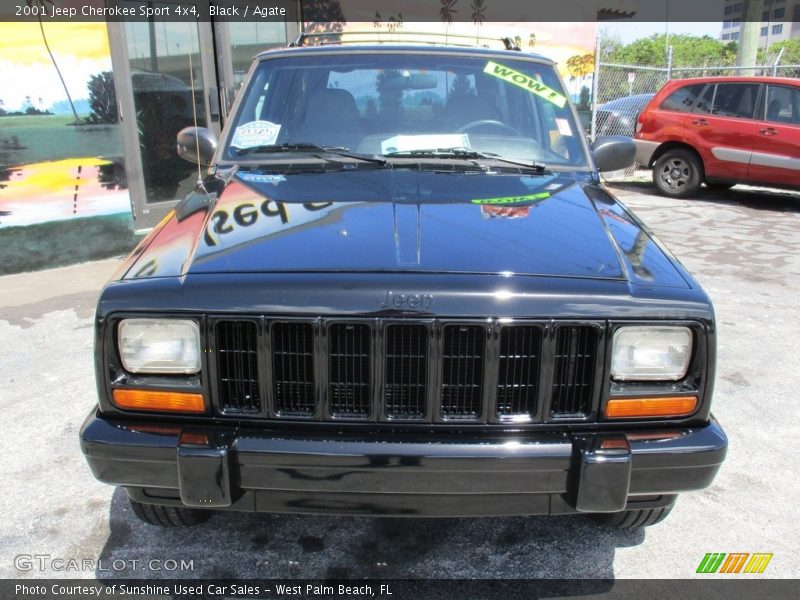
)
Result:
{"points": [[375, 220]]}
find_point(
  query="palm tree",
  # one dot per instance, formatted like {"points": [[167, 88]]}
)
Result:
{"points": [[43, 4], [478, 11], [447, 10], [478, 17], [323, 16]]}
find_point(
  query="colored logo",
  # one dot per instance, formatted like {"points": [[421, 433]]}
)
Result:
{"points": [[734, 562], [513, 199]]}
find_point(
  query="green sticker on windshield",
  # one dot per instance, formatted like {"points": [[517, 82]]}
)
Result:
{"points": [[526, 82], [513, 199]]}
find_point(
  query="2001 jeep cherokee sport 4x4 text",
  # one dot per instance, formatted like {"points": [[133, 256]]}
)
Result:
{"points": [[401, 290]]}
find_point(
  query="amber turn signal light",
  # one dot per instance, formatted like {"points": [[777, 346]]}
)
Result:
{"points": [[160, 401], [637, 408]]}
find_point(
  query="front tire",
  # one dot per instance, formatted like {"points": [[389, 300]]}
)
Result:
{"points": [[632, 519], [169, 516], [678, 173]]}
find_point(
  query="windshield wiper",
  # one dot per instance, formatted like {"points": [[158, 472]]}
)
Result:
{"points": [[465, 153], [306, 147]]}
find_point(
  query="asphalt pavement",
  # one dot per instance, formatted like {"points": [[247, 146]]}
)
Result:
{"points": [[742, 245]]}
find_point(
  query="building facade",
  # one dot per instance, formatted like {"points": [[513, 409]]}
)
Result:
{"points": [[780, 20]]}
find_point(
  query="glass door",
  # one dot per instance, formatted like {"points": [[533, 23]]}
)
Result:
{"points": [[169, 75], [164, 83]]}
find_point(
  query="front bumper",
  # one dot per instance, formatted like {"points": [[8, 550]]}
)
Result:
{"points": [[427, 474]]}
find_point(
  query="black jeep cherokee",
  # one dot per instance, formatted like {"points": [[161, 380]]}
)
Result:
{"points": [[402, 290]]}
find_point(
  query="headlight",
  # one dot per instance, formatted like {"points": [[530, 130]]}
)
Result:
{"points": [[651, 353], [159, 346]]}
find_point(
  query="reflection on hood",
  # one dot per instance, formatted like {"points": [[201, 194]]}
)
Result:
{"points": [[405, 220]]}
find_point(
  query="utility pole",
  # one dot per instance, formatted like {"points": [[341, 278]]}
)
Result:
{"points": [[749, 33]]}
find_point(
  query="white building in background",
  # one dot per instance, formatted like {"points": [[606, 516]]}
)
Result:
{"points": [[780, 20]]}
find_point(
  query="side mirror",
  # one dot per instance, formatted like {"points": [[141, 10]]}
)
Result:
{"points": [[613, 152], [197, 142]]}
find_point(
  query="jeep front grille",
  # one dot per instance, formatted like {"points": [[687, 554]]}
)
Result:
{"points": [[406, 371], [573, 371], [237, 366], [518, 371], [431, 371], [462, 371], [293, 369], [349, 380]]}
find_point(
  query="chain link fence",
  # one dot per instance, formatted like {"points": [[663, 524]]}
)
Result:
{"points": [[787, 71], [622, 91]]}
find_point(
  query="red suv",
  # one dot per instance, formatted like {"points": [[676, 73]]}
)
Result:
{"points": [[721, 131]]}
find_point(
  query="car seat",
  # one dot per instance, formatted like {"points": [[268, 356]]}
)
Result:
{"points": [[774, 111], [331, 119], [462, 109]]}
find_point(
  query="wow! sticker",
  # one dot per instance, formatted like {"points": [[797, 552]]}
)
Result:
{"points": [[526, 82], [255, 133]]}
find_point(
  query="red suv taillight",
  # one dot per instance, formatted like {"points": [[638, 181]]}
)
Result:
{"points": [[639, 122]]}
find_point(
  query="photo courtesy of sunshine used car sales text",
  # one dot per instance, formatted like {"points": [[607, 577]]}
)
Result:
{"points": [[203, 590]]}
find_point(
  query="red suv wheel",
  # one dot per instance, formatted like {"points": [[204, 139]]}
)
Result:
{"points": [[677, 173]]}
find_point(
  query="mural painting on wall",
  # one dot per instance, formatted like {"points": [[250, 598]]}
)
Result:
{"points": [[60, 144]]}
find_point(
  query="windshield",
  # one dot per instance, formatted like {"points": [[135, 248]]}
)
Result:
{"points": [[401, 105]]}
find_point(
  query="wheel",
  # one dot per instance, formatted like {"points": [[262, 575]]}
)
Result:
{"points": [[169, 516], [677, 173], [719, 187], [489, 123], [631, 519]]}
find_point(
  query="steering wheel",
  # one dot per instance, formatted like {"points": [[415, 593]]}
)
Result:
{"points": [[489, 123]]}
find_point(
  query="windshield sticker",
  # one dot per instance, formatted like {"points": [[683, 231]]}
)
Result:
{"points": [[261, 178], [514, 199], [255, 133], [409, 143], [563, 127], [526, 82]]}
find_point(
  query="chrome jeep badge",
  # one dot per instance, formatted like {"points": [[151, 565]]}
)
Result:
{"points": [[413, 301]]}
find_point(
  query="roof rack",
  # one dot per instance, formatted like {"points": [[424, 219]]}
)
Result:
{"points": [[335, 38]]}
